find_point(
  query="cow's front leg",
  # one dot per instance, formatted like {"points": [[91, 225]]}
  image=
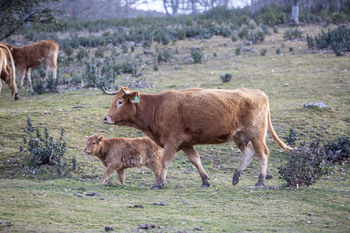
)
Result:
{"points": [[168, 154], [193, 156], [121, 176]]}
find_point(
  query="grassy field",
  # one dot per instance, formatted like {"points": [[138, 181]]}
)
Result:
{"points": [[38, 200]]}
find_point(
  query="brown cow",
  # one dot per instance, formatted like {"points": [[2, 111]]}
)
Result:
{"points": [[33, 55], [117, 154], [179, 119], [7, 74]]}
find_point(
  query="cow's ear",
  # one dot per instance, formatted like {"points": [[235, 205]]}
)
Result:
{"points": [[134, 97], [100, 138]]}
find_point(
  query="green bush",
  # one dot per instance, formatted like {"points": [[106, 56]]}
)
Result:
{"points": [[243, 33], [100, 53], [82, 54], [233, 37], [292, 34], [68, 51], [263, 51], [256, 37], [271, 15], [278, 51], [310, 42], [164, 54], [197, 55], [238, 51], [304, 167], [275, 29], [91, 75], [44, 149]]}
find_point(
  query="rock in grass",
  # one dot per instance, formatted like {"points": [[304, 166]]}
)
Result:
{"points": [[314, 104], [160, 203], [92, 194], [226, 78], [137, 206], [78, 195], [147, 226], [108, 228]]}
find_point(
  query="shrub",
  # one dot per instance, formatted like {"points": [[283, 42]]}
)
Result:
{"points": [[304, 167], [155, 67], [340, 40], [278, 51], [256, 37], [238, 51], [265, 30], [233, 37], [125, 48], [338, 150], [91, 75], [310, 42], [243, 33], [68, 51], [99, 53], [292, 137], [275, 29], [271, 15], [263, 51], [291, 49], [226, 78], [164, 54], [197, 55], [44, 150], [82, 54], [292, 34]]}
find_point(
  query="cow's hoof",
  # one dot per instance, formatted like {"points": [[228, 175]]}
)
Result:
{"points": [[16, 96], [205, 185], [258, 184], [155, 187], [235, 180]]}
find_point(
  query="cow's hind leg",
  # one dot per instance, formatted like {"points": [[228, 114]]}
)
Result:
{"points": [[193, 156], [168, 154], [248, 152], [22, 74], [262, 153], [29, 79]]}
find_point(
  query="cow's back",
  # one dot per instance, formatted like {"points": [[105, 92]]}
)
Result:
{"points": [[204, 116]]}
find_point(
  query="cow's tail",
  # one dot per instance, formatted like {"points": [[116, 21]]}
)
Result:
{"points": [[274, 135], [13, 79]]}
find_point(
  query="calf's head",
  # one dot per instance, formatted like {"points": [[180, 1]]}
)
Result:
{"points": [[123, 108], [93, 144]]}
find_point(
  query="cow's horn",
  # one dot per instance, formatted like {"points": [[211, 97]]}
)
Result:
{"points": [[109, 93], [125, 91]]}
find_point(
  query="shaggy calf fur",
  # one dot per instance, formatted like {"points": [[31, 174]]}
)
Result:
{"points": [[117, 154]]}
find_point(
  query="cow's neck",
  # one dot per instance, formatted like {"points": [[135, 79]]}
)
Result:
{"points": [[146, 113]]}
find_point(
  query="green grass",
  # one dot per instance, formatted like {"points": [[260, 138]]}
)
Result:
{"points": [[37, 199]]}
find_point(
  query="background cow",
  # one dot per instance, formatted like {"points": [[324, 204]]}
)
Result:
{"points": [[33, 55], [117, 154], [179, 119], [7, 74]]}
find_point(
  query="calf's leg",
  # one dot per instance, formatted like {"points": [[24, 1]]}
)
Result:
{"points": [[193, 156], [109, 171], [121, 176], [262, 153], [29, 79]]}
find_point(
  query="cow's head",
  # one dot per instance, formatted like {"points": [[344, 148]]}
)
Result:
{"points": [[123, 108], [93, 144]]}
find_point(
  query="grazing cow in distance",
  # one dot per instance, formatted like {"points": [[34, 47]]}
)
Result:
{"points": [[7, 74], [33, 55], [179, 119], [117, 154]]}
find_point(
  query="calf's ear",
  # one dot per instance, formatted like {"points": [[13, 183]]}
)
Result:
{"points": [[85, 139], [134, 97], [100, 138]]}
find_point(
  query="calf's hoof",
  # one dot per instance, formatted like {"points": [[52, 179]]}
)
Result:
{"points": [[16, 96], [205, 185], [155, 187]]}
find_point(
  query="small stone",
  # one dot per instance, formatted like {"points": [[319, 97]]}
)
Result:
{"points": [[147, 226], [108, 228], [269, 176], [78, 195], [197, 229], [137, 206], [310, 214], [186, 203], [92, 194], [160, 203]]}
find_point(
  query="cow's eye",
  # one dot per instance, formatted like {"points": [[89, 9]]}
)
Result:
{"points": [[93, 143], [119, 102]]}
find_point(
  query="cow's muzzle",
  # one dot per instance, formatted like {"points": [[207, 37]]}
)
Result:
{"points": [[107, 120]]}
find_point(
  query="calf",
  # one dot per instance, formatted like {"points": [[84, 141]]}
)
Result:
{"points": [[117, 154], [7, 74], [34, 55]]}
